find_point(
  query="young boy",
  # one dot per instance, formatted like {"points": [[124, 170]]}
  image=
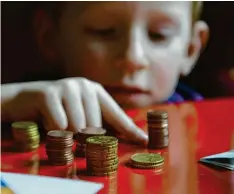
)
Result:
{"points": [[110, 53]]}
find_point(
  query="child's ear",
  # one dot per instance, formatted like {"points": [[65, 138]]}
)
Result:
{"points": [[44, 31], [197, 44]]}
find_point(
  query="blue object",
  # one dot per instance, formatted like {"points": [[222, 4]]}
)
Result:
{"points": [[184, 93]]}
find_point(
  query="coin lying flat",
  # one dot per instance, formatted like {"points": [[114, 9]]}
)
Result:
{"points": [[146, 159]]}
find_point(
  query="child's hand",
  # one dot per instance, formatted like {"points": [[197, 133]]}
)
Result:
{"points": [[67, 104]]}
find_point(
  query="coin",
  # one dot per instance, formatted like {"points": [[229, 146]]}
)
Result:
{"points": [[102, 155], [102, 140], [147, 166], [59, 146], [26, 135], [110, 173], [157, 114], [157, 129], [146, 158], [24, 125], [58, 134], [83, 134], [92, 131]]}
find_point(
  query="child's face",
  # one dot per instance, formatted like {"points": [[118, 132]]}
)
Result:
{"points": [[141, 47]]}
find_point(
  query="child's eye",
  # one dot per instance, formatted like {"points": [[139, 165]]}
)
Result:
{"points": [[157, 37], [105, 32]]}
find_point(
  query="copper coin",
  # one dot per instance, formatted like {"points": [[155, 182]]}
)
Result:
{"points": [[92, 131], [59, 134], [59, 146], [158, 143], [61, 157], [158, 133], [61, 163], [157, 114], [157, 125]]}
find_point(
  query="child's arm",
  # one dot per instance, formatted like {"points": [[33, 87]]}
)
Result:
{"points": [[68, 103]]}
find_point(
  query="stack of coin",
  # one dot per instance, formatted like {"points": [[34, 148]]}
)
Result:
{"points": [[157, 129], [102, 155], [59, 147], [26, 135], [146, 160], [84, 134]]}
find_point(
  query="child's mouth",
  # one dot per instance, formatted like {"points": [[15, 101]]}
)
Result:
{"points": [[125, 90]]}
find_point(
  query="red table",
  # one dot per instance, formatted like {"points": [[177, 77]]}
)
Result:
{"points": [[196, 130]]}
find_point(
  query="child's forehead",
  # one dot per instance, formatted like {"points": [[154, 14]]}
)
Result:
{"points": [[129, 6]]}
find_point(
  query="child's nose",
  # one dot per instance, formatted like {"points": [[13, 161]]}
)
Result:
{"points": [[134, 57]]}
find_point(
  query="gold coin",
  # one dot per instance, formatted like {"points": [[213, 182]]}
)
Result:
{"points": [[101, 158], [146, 158], [26, 148], [24, 125], [102, 140], [102, 152], [103, 169], [100, 164], [23, 139], [103, 173], [147, 166]]}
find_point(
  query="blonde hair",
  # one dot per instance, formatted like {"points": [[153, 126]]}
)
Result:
{"points": [[196, 10], [54, 9]]}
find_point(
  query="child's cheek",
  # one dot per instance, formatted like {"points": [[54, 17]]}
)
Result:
{"points": [[164, 76], [94, 63], [97, 49]]}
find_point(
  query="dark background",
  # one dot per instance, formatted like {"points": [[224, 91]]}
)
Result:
{"points": [[211, 76]]}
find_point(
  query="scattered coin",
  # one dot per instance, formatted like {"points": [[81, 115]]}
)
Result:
{"points": [[146, 160]]}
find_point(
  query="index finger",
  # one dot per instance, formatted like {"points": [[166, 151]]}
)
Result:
{"points": [[116, 117]]}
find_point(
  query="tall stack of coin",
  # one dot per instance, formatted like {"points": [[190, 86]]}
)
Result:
{"points": [[146, 160], [84, 134], [26, 135], [157, 129], [59, 147], [102, 155]]}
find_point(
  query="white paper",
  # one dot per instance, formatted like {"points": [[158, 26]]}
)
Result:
{"points": [[31, 184], [229, 154], [225, 160]]}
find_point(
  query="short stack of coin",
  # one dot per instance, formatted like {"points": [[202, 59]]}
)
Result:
{"points": [[157, 129], [102, 155], [146, 160], [84, 134], [59, 147], [26, 135]]}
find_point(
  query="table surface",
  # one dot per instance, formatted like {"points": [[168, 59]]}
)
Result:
{"points": [[196, 129]]}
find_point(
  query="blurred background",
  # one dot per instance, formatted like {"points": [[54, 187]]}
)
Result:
{"points": [[213, 75]]}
